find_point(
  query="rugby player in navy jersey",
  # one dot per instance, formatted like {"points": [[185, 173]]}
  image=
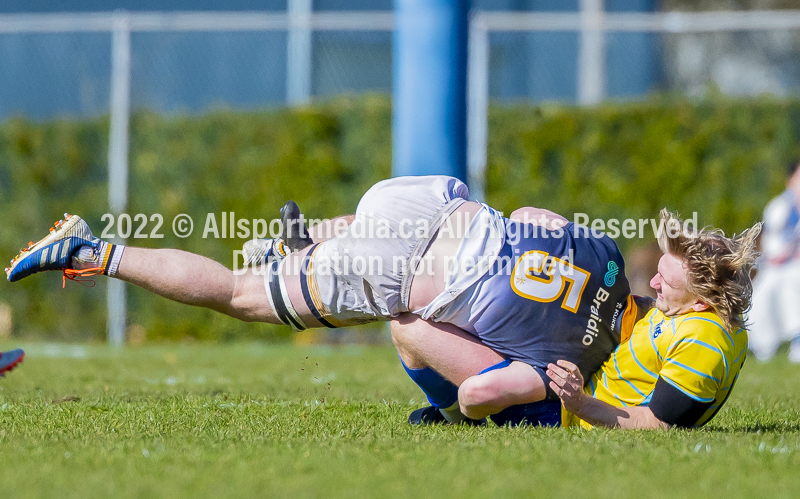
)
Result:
{"points": [[535, 294], [678, 367], [415, 245]]}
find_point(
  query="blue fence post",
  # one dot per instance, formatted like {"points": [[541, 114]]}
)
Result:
{"points": [[429, 88]]}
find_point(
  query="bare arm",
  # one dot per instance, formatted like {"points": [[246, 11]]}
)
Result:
{"points": [[491, 392], [567, 382]]}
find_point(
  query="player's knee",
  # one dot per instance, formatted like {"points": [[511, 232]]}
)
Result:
{"points": [[470, 393], [247, 301], [474, 395]]}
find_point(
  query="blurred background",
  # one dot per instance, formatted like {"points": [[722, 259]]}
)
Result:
{"points": [[613, 108]]}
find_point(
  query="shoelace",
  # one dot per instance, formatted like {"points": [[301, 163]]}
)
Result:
{"points": [[78, 275]]}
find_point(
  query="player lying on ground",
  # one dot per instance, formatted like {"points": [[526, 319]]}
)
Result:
{"points": [[9, 360], [536, 294], [507, 284], [678, 367]]}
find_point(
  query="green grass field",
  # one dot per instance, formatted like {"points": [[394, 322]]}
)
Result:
{"points": [[255, 420]]}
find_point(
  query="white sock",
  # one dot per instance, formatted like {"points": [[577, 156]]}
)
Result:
{"points": [[105, 255], [453, 414]]}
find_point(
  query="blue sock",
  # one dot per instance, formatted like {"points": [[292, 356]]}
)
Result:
{"points": [[499, 365], [440, 392]]}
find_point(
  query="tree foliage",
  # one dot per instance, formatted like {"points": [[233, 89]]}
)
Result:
{"points": [[721, 158]]}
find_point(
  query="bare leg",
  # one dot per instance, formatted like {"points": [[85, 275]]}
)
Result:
{"points": [[460, 357], [329, 229], [196, 280], [451, 351]]}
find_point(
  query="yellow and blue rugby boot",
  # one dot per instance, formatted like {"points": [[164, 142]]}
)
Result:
{"points": [[55, 251]]}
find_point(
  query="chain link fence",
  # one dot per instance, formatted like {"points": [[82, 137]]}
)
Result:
{"points": [[740, 63], [47, 70], [61, 65], [177, 72], [51, 74]]}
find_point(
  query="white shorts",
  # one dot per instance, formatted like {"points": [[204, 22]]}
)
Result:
{"points": [[365, 273], [773, 315]]}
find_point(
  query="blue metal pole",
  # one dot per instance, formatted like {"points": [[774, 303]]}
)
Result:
{"points": [[430, 88]]}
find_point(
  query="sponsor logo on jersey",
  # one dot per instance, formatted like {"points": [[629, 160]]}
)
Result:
{"points": [[592, 327], [657, 330], [611, 276], [617, 310]]}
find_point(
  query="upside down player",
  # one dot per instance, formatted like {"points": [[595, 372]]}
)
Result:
{"points": [[677, 369], [535, 293], [469, 300]]}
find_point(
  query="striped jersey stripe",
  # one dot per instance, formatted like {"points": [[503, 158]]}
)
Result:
{"points": [[692, 352]]}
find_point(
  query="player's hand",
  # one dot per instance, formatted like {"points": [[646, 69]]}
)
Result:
{"points": [[567, 382]]}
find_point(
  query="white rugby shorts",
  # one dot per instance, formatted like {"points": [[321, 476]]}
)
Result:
{"points": [[364, 274]]}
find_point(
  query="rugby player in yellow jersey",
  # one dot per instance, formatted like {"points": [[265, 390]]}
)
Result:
{"points": [[677, 368], [683, 359]]}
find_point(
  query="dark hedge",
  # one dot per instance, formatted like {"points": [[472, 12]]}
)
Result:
{"points": [[721, 158]]}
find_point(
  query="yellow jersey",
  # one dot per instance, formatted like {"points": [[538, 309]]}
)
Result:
{"points": [[693, 352]]}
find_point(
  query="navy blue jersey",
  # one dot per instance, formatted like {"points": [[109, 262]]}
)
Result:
{"points": [[551, 295]]}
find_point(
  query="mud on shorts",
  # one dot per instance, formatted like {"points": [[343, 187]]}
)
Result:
{"points": [[364, 274]]}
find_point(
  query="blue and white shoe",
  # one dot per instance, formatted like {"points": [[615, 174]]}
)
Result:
{"points": [[9, 360], [55, 251]]}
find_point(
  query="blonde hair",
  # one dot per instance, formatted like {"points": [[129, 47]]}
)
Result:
{"points": [[718, 267]]}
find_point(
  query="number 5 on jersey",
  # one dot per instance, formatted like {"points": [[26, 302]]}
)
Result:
{"points": [[538, 276]]}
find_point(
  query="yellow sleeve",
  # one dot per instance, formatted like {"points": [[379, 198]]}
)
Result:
{"points": [[697, 361]]}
